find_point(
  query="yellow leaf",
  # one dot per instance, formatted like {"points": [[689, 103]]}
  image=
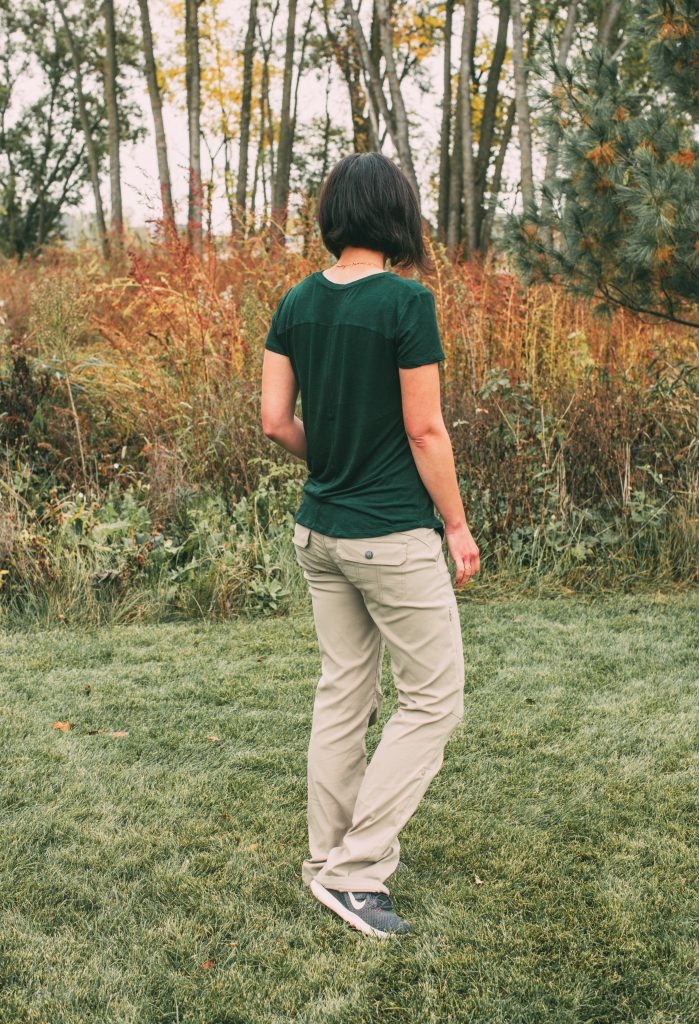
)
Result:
{"points": [[63, 726], [118, 735]]}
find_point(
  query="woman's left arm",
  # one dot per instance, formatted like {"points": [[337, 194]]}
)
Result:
{"points": [[279, 392]]}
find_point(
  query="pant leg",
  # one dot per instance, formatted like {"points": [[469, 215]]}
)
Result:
{"points": [[347, 697], [405, 583]]}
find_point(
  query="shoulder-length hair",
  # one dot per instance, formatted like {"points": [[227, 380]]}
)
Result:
{"points": [[367, 201]]}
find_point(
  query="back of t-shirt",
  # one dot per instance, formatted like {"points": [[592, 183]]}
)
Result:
{"points": [[346, 343]]}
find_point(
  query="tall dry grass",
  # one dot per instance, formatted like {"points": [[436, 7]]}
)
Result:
{"points": [[575, 436]]}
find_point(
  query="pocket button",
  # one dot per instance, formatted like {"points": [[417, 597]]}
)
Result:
{"points": [[368, 554]]}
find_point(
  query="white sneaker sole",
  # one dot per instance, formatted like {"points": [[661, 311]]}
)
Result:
{"points": [[329, 901]]}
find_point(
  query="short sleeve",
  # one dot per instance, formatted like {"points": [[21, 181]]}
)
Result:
{"points": [[276, 336], [417, 336]]}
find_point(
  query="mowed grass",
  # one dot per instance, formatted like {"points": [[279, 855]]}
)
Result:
{"points": [[156, 877]]}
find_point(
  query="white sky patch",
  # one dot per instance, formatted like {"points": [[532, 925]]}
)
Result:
{"points": [[140, 187]]}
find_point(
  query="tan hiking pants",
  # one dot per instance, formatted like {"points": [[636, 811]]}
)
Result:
{"points": [[392, 590]]}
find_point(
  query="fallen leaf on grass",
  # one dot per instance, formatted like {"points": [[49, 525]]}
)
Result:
{"points": [[252, 847], [95, 732], [118, 735], [479, 881], [214, 739], [63, 726], [207, 965]]}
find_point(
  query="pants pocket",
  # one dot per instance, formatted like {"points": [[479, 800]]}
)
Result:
{"points": [[375, 563], [301, 536]]}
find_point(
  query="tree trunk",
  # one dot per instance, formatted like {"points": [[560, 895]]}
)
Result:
{"points": [[347, 57], [91, 148], [156, 105], [110, 95], [398, 106], [554, 134], [607, 23], [455, 180], [280, 187], [267, 131], [302, 56], [489, 219], [468, 44], [372, 78], [444, 136], [193, 80], [523, 115], [490, 107], [266, 128], [245, 116]]}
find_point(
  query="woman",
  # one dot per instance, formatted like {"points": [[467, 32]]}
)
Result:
{"points": [[362, 346]]}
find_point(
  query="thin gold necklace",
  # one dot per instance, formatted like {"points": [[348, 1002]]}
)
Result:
{"points": [[357, 263]]}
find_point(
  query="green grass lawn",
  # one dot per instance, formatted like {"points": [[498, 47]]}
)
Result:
{"points": [[569, 790]]}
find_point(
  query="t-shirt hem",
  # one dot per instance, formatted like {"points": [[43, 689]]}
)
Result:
{"points": [[423, 361], [306, 517], [274, 347]]}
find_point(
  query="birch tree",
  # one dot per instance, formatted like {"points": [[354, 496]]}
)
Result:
{"points": [[554, 133], [524, 128], [445, 129], [156, 105], [400, 116], [468, 44], [90, 144], [245, 118], [399, 137], [193, 80], [280, 190], [343, 45], [110, 93]]}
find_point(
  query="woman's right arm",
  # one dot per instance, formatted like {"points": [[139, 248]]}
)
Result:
{"points": [[434, 459]]}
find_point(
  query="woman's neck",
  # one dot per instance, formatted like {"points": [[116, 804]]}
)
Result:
{"points": [[354, 263]]}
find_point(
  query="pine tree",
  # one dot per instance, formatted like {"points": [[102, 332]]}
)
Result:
{"points": [[624, 210]]}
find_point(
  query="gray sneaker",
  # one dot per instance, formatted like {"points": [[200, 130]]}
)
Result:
{"points": [[369, 912]]}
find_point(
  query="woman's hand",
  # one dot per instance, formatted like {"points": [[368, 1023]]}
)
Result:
{"points": [[464, 550]]}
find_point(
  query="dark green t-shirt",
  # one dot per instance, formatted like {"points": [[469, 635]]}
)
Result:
{"points": [[345, 343]]}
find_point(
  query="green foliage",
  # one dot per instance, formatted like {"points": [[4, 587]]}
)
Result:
{"points": [[621, 222], [674, 50], [588, 490], [91, 556], [43, 166]]}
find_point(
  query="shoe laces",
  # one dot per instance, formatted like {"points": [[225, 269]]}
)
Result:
{"points": [[377, 899]]}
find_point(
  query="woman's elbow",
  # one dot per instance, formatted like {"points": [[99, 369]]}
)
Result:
{"points": [[421, 434], [270, 427]]}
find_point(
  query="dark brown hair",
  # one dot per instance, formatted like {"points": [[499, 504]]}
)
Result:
{"points": [[367, 201]]}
